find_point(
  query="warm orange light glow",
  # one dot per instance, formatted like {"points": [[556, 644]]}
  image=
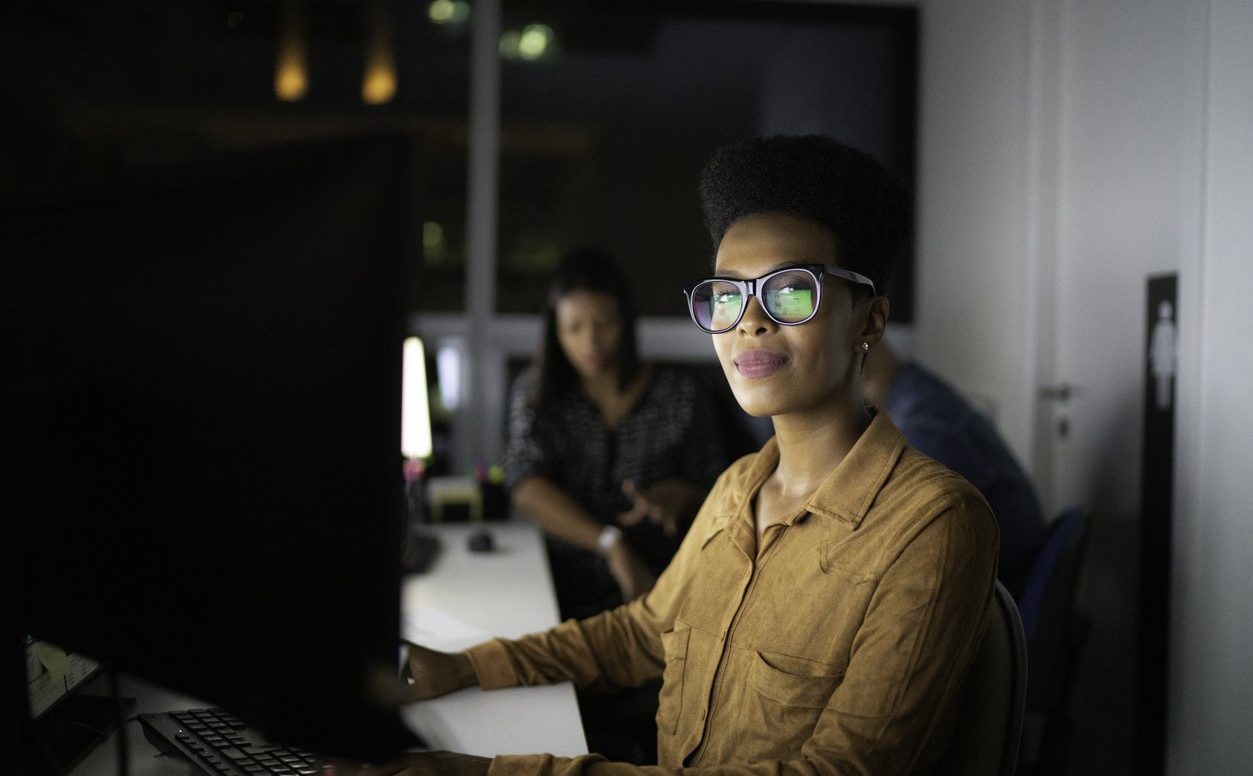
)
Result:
{"points": [[291, 82], [291, 72], [379, 84]]}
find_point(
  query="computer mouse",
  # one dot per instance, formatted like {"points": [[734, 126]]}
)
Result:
{"points": [[481, 541]]}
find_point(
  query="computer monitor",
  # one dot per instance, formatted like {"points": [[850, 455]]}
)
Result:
{"points": [[201, 432]]}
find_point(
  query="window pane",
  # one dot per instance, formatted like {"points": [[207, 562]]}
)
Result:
{"points": [[609, 112], [436, 61]]}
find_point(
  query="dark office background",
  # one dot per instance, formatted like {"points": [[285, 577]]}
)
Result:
{"points": [[602, 135]]}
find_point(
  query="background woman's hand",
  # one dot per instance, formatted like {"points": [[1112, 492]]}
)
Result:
{"points": [[436, 673], [669, 503], [633, 577]]}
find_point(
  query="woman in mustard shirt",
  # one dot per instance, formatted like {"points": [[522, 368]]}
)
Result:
{"points": [[823, 610]]}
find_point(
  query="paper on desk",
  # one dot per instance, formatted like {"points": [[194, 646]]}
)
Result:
{"points": [[53, 659], [438, 630]]}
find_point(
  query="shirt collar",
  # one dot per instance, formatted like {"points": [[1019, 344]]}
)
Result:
{"points": [[845, 495], [735, 500], [850, 490]]}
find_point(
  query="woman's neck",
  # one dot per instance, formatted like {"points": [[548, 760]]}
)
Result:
{"points": [[602, 385], [812, 444], [612, 399]]}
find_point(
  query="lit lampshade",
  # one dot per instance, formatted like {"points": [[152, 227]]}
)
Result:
{"points": [[415, 411]]}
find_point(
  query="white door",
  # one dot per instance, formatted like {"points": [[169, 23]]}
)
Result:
{"points": [[1117, 176], [1117, 183]]}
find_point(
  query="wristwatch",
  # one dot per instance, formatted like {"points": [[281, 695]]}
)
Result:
{"points": [[610, 535]]}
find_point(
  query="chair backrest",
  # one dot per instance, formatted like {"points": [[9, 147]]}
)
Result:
{"points": [[1053, 581], [1056, 630], [989, 724], [1048, 608]]}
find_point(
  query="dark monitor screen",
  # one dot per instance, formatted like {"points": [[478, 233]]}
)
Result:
{"points": [[201, 409]]}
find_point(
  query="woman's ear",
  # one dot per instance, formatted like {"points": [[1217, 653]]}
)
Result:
{"points": [[875, 320]]}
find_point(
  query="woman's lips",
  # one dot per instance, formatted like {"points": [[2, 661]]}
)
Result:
{"points": [[759, 363], [595, 361]]}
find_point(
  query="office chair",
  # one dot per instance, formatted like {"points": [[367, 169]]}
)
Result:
{"points": [[1056, 631], [989, 726]]}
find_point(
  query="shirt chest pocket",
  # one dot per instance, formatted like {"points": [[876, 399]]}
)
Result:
{"points": [[786, 696], [792, 682]]}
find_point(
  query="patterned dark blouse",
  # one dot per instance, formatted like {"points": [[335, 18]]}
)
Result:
{"points": [[672, 431]]}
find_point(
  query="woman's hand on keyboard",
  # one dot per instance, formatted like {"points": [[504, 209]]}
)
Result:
{"points": [[420, 764], [432, 674]]}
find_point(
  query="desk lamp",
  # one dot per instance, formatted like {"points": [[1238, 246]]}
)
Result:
{"points": [[415, 432]]}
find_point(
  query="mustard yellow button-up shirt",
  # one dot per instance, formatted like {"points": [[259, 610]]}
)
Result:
{"points": [[836, 645]]}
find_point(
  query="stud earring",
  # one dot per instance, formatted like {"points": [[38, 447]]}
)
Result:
{"points": [[865, 347]]}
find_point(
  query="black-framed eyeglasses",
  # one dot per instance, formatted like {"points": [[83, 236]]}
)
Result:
{"points": [[789, 296]]}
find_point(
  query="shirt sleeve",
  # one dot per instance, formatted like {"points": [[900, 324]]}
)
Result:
{"points": [[910, 656], [893, 713], [617, 648], [526, 454]]}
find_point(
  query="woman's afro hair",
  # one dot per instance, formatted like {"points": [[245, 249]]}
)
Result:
{"points": [[843, 189]]}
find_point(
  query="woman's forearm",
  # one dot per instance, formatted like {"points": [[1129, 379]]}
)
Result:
{"points": [[555, 512]]}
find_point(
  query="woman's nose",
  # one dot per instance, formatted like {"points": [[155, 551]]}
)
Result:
{"points": [[754, 320], [595, 336]]}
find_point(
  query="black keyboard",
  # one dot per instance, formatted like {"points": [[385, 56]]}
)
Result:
{"points": [[419, 551], [218, 744]]}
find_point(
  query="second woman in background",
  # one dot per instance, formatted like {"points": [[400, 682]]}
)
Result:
{"points": [[609, 455]]}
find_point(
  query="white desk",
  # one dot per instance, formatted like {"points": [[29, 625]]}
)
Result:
{"points": [[465, 598]]}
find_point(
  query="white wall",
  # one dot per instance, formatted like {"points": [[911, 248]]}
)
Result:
{"points": [[1059, 165], [972, 187], [1069, 148], [1212, 676]]}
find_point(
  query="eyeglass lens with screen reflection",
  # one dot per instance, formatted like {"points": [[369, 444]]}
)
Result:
{"points": [[790, 296]]}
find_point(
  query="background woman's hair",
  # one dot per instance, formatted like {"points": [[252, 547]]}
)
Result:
{"points": [[584, 269], [863, 204]]}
